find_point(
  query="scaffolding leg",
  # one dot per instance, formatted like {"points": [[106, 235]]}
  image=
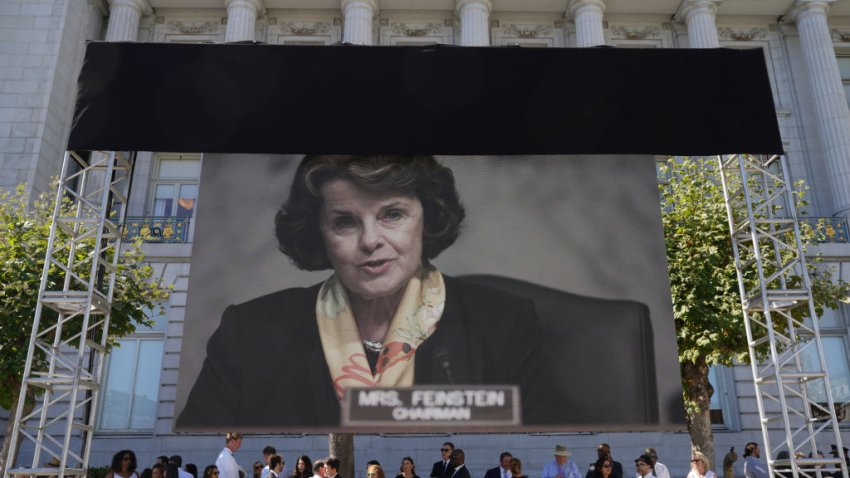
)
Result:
{"points": [[64, 366], [791, 382]]}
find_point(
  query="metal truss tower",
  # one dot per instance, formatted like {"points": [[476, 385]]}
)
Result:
{"points": [[788, 365], [67, 345]]}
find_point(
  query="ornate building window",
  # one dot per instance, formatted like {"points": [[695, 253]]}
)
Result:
{"points": [[131, 389], [175, 185], [724, 402], [833, 329]]}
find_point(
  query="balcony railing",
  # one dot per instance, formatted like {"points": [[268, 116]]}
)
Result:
{"points": [[827, 229], [156, 229]]}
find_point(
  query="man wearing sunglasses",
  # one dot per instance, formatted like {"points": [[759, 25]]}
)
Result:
{"points": [[442, 468]]}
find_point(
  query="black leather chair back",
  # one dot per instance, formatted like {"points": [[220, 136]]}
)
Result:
{"points": [[605, 349]]}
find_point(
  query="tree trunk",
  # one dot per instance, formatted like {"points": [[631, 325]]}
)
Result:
{"points": [[8, 456], [341, 446], [698, 392]]}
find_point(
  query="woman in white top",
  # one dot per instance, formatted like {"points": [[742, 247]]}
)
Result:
{"points": [[699, 466]]}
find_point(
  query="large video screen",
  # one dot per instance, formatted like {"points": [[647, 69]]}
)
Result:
{"points": [[532, 284]]}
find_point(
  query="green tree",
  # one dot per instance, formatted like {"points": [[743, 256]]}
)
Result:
{"points": [[704, 287], [24, 233]]}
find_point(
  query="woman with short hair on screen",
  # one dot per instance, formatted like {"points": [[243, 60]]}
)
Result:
{"points": [[385, 317]]}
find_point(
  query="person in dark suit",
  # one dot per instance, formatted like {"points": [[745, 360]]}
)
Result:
{"points": [[442, 468], [332, 468], [459, 470], [504, 468], [386, 317]]}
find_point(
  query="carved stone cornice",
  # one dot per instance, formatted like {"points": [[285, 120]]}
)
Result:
{"points": [[305, 28], [192, 27], [416, 29], [527, 31], [842, 35], [742, 34], [634, 33]]}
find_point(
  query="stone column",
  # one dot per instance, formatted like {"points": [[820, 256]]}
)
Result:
{"points": [[474, 22], [831, 112], [241, 19], [699, 16], [124, 16], [358, 15], [587, 15]]}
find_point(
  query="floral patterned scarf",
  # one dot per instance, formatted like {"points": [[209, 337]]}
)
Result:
{"points": [[415, 320]]}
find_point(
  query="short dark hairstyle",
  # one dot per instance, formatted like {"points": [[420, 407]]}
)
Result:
{"points": [[297, 221], [751, 446], [460, 455], [177, 460], [318, 466], [118, 458], [275, 460], [504, 454], [192, 468], [269, 450], [332, 463], [162, 459], [449, 444], [373, 462]]}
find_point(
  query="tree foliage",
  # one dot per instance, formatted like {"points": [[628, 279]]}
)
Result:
{"points": [[706, 299], [24, 233]]}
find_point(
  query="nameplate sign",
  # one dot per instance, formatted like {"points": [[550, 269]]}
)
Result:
{"points": [[438, 405]]}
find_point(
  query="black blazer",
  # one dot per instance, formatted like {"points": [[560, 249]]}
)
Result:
{"points": [[462, 473], [268, 347], [439, 470], [495, 473]]}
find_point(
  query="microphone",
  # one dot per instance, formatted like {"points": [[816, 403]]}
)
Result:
{"points": [[442, 357]]}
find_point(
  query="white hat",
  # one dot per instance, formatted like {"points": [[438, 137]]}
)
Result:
{"points": [[561, 450]]}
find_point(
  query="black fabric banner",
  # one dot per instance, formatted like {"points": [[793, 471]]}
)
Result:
{"points": [[252, 98]]}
